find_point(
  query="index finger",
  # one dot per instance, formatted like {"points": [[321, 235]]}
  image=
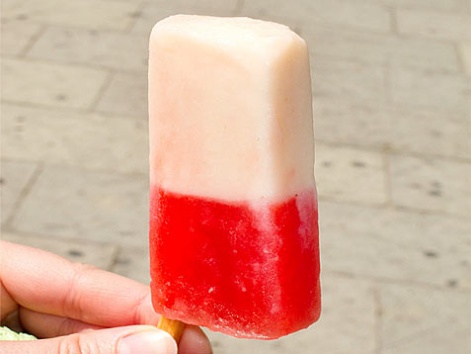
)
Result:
{"points": [[47, 283]]}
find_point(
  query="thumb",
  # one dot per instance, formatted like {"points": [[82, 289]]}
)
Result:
{"points": [[119, 340]]}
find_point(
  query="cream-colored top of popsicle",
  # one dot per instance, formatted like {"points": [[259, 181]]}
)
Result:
{"points": [[230, 108]]}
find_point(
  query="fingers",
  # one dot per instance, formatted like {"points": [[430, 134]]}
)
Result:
{"points": [[57, 297], [119, 340], [7, 303], [194, 341], [45, 326], [47, 283]]}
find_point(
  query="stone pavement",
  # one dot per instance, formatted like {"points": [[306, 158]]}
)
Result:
{"points": [[392, 105]]}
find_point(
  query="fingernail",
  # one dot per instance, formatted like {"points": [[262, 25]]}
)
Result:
{"points": [[147, 342]]}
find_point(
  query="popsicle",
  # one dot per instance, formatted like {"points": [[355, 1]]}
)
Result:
{"points": [[233, 205]]}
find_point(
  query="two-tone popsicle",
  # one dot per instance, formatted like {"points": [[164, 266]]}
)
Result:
{"points": [[233, 205]]}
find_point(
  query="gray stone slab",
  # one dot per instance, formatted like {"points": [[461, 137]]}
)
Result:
{"points": [[73, 203], [92, 14], [466, 56], [350, 175], [354, 15], [48, 84], [133, 262], [225, 5], [100, 255], [429, 89], [282, 17], [379, 48], [93, 48], [15, 176], [84, 140], [149, 16], [347, 325], [340, 121], [154, 11], [338, 78], [125, 95], [393, 245], [404, 130], [448, 5], [429, 132], [431, 184], [442, 25], [421, 320], [17, 35]]}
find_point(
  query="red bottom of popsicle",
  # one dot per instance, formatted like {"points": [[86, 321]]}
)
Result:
{"points": [[248, 271]]}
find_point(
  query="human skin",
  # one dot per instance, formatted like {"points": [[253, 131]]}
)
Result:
{"points": [[75, 308]]}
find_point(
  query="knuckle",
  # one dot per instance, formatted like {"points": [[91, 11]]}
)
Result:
{"points": [[69, 344], [79, 344], [75, 301]]}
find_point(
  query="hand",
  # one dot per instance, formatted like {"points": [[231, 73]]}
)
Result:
{"points": [[77, 308]]}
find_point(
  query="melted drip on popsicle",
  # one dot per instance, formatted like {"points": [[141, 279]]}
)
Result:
{"points": [[243, 269]]}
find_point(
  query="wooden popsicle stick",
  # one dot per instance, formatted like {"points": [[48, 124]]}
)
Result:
{"points": [[173, 327]]}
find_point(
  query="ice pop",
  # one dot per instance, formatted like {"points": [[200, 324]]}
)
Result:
{"points": [[233, 204]]}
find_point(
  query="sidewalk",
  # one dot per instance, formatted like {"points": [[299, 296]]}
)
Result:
{"points": [[392, 108]]}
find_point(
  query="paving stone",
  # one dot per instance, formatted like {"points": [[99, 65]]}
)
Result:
{"points": [[394, 245], [339, 78], [428, 132], [377, 48], [340, 13], [154, 11], [420, 320], [149, 16], [442, 25], [89, 141], [466, 56], [359, 175], [100, 255], [424, 132], [431, 184], [17, 35], [92, 48], [340, 121], [430, 89], [73, 203], [15, 176], [282, 17], [448, 5], [49, 84], [225, 5], [133, 262], [346, 325], [125, 95], [91, 14]]}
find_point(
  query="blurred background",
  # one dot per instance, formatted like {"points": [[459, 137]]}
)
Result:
{"points": [[392, 108]]}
